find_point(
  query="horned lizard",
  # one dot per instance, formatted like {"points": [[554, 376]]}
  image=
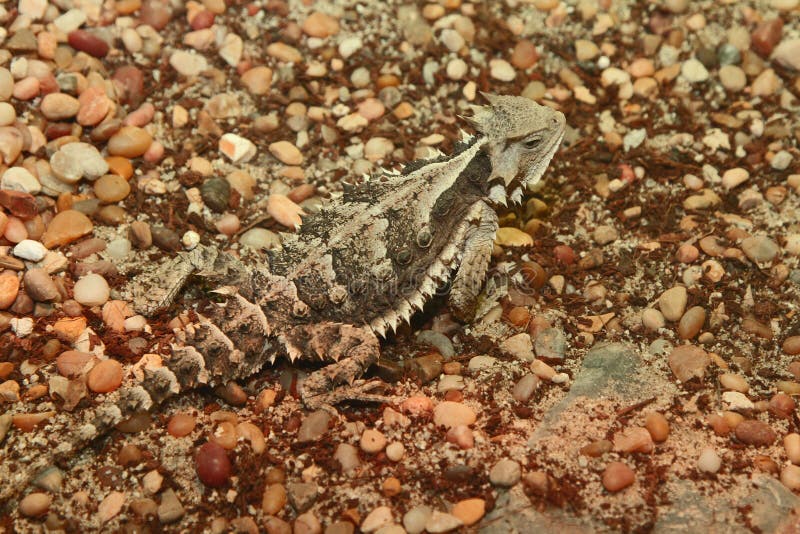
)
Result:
{"points": [[355, 269]]}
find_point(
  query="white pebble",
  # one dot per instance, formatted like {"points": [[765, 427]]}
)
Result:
{"points": [[709, 461], [118, 248], [190, 239], [91, 290], [31, 250]]}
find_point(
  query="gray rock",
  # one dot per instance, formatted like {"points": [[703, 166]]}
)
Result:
{"points": [[438, 341], [505, 473], [605, 366], [314, 426]]}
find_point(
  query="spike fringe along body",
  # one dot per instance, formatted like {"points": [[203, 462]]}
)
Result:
{"points": [[355, 270]]}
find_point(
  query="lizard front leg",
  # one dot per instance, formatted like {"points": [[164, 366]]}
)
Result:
{"points": [[353, 349], [469, 278]]}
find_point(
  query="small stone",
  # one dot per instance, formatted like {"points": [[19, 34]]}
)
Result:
{"points": [[633, 439], [284, 211], [451, 414], [284, 52], [658, 426], [452, 40], [188, 64], [302, 495], [372, 441], [35, 504], [213, 465], [237, 148], [586, 50], [286, 153], [59, 106], [377, 518], [456, 69], [347, 456], [349, 46], [694, 71], [416, 519], [760, 249], [320, 25], [519, 346], [672, 303], [91, 290], [524, 55], [505, 473], [88, 42], [652, 319], [259, 238], [688, 361], [257, 80], [501, 70], [734, 177], [618, 476], [605, 234], [9, 288], [20, 179], [442, 522], [691, 322], [105, 377], [395, 451], [170, 509], [110, 506], [39, 286], [469, 511], [787, 53], [129, 142], [766, 36], [524, 389], [790, 477], [757, 433], [30, 250], [314, 426], [766, 84], [732, 78], [111, 188], [74, 161], [709, 461], [781, 160]]}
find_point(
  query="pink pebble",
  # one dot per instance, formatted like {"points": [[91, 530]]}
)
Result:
{"points": [[26, 88], [371, 109], [417, 405], [15, 230], [141, 116], [461, 435], [154, 152], [48, 84], [564, 254], [626, 173], [228, 224]]}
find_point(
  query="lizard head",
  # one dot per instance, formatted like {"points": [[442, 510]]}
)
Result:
{"points": [[522, 137]]}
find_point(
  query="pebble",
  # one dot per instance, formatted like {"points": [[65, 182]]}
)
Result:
{"points": [[765, 84], [709, 461], [732, 78], [111, 188], [284, 52], [760, 249], [519, 346], [286, 153], [212, 464], [672, 303], [586, 50], [129, 142], [74, 161], [259, 238], [456, 69], [105, 377], [9, 288], [91, 290], [605, 234], [320, 25], [525, 387], [505, 473], [734, 177], [372, 441], [274, 498], [59, 106], [20, 179], [617, 476], [27, 249], [395, 451], [347, 456], [39, 286], [88, 42], [524, 55], [181, 424], [501, 70], [188, 64], [633, 439], [757, 433], [691, 322], [237, 148], [35, 504], [313, 426], [469, 511], [442, 522], [451, 414], [349, 46], [258, 80], [694, 71], [791, 443], [377, 518], [170, 509], [110, 506], [658, 426], [7, 114], [790, 477], [416, 518], [688, 361], [791, 345], [766, 36], [781, 160], [787, 53]]}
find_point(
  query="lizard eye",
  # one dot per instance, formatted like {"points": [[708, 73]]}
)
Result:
{"points": [[404, 257], [532, 143], [424, 238]]}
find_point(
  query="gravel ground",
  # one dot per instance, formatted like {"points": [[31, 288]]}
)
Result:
{"points": [[633, 370]]}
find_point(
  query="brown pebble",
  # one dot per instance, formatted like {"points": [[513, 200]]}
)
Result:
{"points": [[35, 504], [129, 455], [657, 425], [618, 476], [757, 433], [597, 448], [791, 345], [105, 377], [181, 424], [691, 322], [524, 55], [88, 42], [129, 142], [111, 188], [782, 405]]}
